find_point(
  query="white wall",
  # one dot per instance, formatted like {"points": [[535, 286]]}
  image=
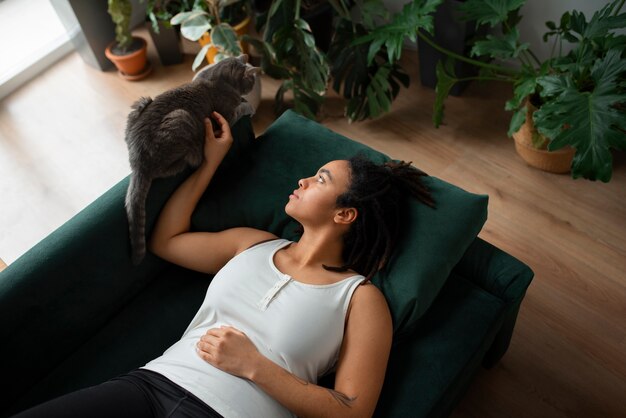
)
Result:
{"points": [[536, 12], [534, 15]]}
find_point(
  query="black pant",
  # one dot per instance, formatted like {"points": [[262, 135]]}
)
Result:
{"points": [[140, 393]]}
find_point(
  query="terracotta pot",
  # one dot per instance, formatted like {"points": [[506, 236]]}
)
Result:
{"points": [[240, 29], [133, 66], [559, 161]]}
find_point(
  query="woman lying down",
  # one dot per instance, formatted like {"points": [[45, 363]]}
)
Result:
{"points": [[278, 314]]}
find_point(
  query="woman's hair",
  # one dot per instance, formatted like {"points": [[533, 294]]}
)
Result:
{"points": [[380, 194]]}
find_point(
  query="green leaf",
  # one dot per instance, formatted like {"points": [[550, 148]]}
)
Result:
{"points": [[589, 121], [554, 85], [373, 49], [302, 24], [445, 80], [603, 21], [502, 47], [517, 120], [371, 11], [200, 57], [523, 89], [181, 17], [194, 27], [224, 37], [491, 12], [414, 16], [275, 5]]}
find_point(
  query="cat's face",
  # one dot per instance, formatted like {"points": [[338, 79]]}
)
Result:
{"points": [[234, 70]]}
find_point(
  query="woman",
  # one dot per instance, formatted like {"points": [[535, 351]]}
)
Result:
{"points": [[278, 314]]}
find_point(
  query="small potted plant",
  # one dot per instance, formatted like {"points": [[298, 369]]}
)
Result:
{"points": [[127, 52], [217, 26]]}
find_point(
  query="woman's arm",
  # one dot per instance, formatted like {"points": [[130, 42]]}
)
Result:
{"points": [[360, 369], [206, 252]]}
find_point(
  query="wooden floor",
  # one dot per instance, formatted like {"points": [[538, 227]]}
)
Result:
{"points": [[61, 146]]}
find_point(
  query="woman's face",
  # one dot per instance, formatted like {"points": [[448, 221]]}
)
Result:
{"points": [[314, 202]]}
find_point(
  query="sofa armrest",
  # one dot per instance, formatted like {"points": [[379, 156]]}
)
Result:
{"points": [[495, 271], [64, 289], [503, 276]]}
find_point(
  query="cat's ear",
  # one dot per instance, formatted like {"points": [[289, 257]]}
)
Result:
{"points": [[243, 58]]}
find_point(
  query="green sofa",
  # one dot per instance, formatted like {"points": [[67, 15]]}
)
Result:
{"points": [[74, 311]]}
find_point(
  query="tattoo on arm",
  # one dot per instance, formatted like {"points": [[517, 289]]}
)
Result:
{"points": [[341, 398]]}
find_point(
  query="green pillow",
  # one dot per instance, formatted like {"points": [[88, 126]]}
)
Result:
{"points": [[252, 186]]}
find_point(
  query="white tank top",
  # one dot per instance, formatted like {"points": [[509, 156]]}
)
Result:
{"points": [[298, 326]]}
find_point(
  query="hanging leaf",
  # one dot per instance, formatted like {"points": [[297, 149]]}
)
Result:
{"points": [[524, 88], [181, 17], [200, 56], [517, 120], [416, 15], [446, 78], [491, 12], [373, 11], [194, 27], [500, 47], [589, 121], [602, 22], [554, 85], [224, 37], [275, 5]]}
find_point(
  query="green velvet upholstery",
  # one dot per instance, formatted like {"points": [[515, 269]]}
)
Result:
{"points": [[78, 290]]}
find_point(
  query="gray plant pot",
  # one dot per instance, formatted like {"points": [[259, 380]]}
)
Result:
{"points": [[167, 44], [452, 34], [96, 29]]}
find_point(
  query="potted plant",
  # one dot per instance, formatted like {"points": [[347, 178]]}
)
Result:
{"points": [[165, 37], [217, 26], [127, 52], [290, 53], [579, 95]]}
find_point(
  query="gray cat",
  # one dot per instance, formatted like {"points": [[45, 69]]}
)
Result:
{"points": [[165, 135]]}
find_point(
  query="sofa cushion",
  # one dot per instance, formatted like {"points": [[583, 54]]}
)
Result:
{"points": [[253, 188], [427, 372]]}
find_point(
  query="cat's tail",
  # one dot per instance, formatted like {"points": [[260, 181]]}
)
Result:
{"points": [[141, 104], [136, 212]]}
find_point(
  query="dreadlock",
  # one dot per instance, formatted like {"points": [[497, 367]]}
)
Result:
{"points": [[379, 193]]}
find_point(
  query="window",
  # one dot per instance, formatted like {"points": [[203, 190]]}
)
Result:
{"points": [[31, 39]]}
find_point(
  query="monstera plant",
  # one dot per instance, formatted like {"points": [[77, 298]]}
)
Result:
{"points": [[369, 81], [579, 93]]}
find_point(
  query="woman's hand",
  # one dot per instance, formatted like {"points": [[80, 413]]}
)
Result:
{"points": [[216, 144], [230, 350]]}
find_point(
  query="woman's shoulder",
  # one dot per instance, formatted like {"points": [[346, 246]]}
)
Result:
{"points": [[251, 237], [368, 300]]}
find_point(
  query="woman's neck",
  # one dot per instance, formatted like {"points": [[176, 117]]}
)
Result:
{"points": [[313, 250]]}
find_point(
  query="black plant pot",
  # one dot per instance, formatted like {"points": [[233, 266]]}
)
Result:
{"points": [[319, 17], [452, 34], [167, 44], [320, 20]]}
